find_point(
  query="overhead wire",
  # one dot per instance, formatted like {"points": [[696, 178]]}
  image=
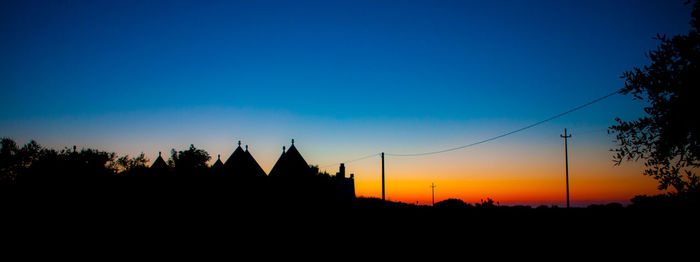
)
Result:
{"points": [[488, 139], [511, 132], [352, 160]]}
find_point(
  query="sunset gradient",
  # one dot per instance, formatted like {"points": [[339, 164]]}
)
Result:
{"points": [[345, 79]]}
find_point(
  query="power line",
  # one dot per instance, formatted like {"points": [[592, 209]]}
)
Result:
{"points": [[511, 132], [351, 160], [489, 139]]}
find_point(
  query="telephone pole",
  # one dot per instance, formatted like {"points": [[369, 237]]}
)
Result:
{"points": [[382, 176], [566, 157], [432, 186]]}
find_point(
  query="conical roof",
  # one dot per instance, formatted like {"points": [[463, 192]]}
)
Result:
{"points": [[252, 166], [236, 159], [242, 162], [291, 164], [277, 168], [295, 162], [159, 163], [218, 163]]}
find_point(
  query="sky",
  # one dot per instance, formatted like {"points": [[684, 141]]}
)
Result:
{"points": [[345, 79]]}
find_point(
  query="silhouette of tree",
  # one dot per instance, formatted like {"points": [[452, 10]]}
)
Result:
{"points": [[189, 159], [667, 137], [14, 160], [316, 171], [30, 152], [125, 163], [66, 167], [8, 160]]}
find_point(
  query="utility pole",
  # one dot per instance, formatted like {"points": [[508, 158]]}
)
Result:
{"points": [[382, 176], [566, 157], [432, 186]]}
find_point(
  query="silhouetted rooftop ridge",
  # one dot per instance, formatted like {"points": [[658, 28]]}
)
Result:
{"points": [[242, 162], [218, 162], [236, 157], [291, 163], [159, 162]]}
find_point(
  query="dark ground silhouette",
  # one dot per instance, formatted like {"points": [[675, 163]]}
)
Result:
{"points": [[40, 183]]}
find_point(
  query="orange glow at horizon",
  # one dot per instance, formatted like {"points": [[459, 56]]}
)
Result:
{"points": [[511, 191], [513, 179]]}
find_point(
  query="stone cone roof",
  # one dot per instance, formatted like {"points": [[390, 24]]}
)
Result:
{"points": [[291, 165], [242, 162], [159, 163], [218, 163]]}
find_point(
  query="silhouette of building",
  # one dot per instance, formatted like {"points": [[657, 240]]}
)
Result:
{"points": [[159, 163], [297, 177], [341, 171], [251, 165], [242, 163], [291, 176], [291, 165], [275, 171], [218, 163], [346, 186]]}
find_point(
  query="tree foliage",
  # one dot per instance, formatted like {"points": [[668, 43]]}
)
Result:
{"points": [[666, 138], [189, 159], [34, 164], [15, 160], [125, 163]]}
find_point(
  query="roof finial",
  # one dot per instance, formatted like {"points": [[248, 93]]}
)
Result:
{"points": [[158, 153], [246, 148], [239, 142], [283, 148], [219, 156], [292, 141]]}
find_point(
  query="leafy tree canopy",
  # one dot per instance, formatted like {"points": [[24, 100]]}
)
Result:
{"points": [[189, 159], [666, 138]]}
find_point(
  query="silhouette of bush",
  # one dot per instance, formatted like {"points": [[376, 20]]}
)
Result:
{"points": [[685, 199], [452, 203], [489, 203]]}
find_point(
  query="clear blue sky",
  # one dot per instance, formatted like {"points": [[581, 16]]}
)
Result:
{"points": [[345, 78]]}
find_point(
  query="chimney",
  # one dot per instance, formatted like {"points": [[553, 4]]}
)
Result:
{"points": [[341, 172]]}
